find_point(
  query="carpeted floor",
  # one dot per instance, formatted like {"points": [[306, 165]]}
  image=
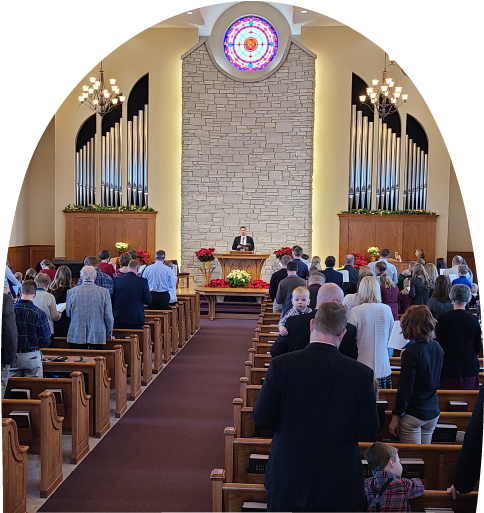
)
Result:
{"points": [[158, 457]]}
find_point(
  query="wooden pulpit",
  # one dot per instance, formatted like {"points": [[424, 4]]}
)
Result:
{"points": [[243, 260]]}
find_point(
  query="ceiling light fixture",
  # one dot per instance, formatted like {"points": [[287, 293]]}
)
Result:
{"points": [[387, 98], [304, 12], [98, 98], [189, 12]]}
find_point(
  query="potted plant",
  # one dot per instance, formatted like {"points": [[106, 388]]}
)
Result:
{"points": [[205, 255], [374, 252], [238, 278], [122, 247], [283, 251]]}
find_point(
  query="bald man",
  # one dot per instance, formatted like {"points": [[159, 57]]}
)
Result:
{"points": [[298, 327]]}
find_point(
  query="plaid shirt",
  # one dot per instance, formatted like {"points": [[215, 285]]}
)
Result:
{"points": [[102, 280], [396, 496], [290, 313], [32, 326]]}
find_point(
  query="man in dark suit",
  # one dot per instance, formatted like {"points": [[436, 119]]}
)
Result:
{"points": [[330, 274], [130, 293], [298, 327], [243, 242], [349, 261], [278, 276], [317, 402], [302, 268]]}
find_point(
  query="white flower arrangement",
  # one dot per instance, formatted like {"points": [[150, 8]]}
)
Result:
{"points": [[121, 246], [238, 278], [373, 251]]}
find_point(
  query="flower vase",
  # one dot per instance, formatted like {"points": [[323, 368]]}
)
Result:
{"points": [[374, 258], [207, 264]]}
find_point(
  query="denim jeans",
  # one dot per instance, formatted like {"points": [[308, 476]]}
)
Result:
{"points": [[415, 431]]}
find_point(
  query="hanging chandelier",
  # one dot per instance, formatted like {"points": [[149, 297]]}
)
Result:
{"points": [[387, 98], [98, 98]]}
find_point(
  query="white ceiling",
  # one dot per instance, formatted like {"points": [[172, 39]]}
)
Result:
{"points": [[205, 18]]}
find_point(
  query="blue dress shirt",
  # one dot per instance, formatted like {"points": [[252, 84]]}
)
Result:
{"points": [[160, 277]]}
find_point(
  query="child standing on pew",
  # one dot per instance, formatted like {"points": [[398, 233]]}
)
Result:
{"points": [[300, 301], [387, 490]]}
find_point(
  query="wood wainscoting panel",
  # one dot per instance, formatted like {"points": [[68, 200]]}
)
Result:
{"points": [[81, 237], [22, 258], [361, 236]]}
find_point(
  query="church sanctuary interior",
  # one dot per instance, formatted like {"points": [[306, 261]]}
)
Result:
{"points": [[239, 126]]}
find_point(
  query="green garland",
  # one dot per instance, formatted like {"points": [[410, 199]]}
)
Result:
{"points": [[389, 212], [101, 208]]}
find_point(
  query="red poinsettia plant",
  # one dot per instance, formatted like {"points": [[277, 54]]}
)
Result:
{"points": [[360, 260], [283, 251], [205, 254], [258, 284], [218, 284], [143, 257]]}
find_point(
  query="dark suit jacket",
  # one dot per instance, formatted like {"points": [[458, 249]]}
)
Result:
{"points": [[9, 331], [302, 268], [317, 402], [333, 276], [130, 293], [299, 333], [313, 295], [275, 279], [250, 241], [354, 276]]}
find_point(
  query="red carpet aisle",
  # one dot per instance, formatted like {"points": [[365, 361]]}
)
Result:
{"points": [[158, 457]]}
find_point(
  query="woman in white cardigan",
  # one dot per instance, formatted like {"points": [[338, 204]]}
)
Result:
{"points": [[45, 301], [374, 323]]}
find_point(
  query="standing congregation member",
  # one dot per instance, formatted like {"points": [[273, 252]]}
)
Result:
{"points": [[243, 242], [389, 294], [374, 322], [46, 269], [440, 302], [420, 255], [421, 286], [124, 260], [315, 280], [391, 269], [351, 296], [33, 334], [287, 285], [456, 261], [441, 264], [160, 281], [9, 339], [172, 291], [46, 301], [102, 279], [459, 334], [316, 262], [10, 281], [131, 293], [58, 288], [299, 332], [463, 271], [89, 307], [349, 265], [317, 402], [104, 264], [300, 302], [330, 274], [416, 409], [302, 268], [278, 276], [380, 268], [407, 273], [431, 271]]}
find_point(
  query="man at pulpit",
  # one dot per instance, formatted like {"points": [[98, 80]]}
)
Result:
{"points": [[243, 242]]}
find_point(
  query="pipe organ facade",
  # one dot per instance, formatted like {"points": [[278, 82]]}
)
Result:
{"points": [[86, 163]]}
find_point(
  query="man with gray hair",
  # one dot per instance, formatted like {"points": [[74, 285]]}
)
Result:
{"points": [[278, 276], [298, 327], [391, 269], [349, 262], [160, 280], [459, 334], [102, 279], [456, 262], [91, 313]]}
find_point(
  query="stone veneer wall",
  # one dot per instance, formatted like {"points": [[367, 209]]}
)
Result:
{"points": [[247, 157]]}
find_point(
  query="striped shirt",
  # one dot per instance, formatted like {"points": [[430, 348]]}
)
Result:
{"points": [[32, 326]]}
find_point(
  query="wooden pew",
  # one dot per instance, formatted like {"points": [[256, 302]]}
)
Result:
{"points": [[396, 378], [132, 356], [74, 410], [440, 459], [165, 318], [187, 328], [98, 385], [144, 336], [14, 469], [397, 361], [229, 497], [116, 367], [179, 309], [156, 324], [245, 425], [194, 310], [44, 438]]}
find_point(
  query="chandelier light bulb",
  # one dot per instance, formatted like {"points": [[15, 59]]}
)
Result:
{"points": [[398, 89], [85, 88], [91, 90], [386, 93], [391, 84], [373, 96], [95, 87], [85, 95], [404, 97], [81, 98], [95, 102], [122, 98], [394, 100], [388, 80], [384, 88], [373, 100], [106, 95], [369, 90], [92, 79], [115, 101], [396, 95], [375, 82], [112, 81], [362, 98]]}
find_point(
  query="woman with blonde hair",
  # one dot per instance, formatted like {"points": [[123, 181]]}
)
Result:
{"points": [[389, 294], [374, 322], [351, 299], [431, 271], [58, 288], [30, 274], [316, 262], [421, 286], [420, 255]]}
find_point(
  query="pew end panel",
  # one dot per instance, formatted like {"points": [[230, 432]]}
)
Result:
{"points": [[14, 469], [102, 421]]}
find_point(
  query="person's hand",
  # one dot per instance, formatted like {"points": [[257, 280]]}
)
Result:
{"points": [[452, 491], [283, 331], [239, 246], [393, 425], [112, 337]]}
